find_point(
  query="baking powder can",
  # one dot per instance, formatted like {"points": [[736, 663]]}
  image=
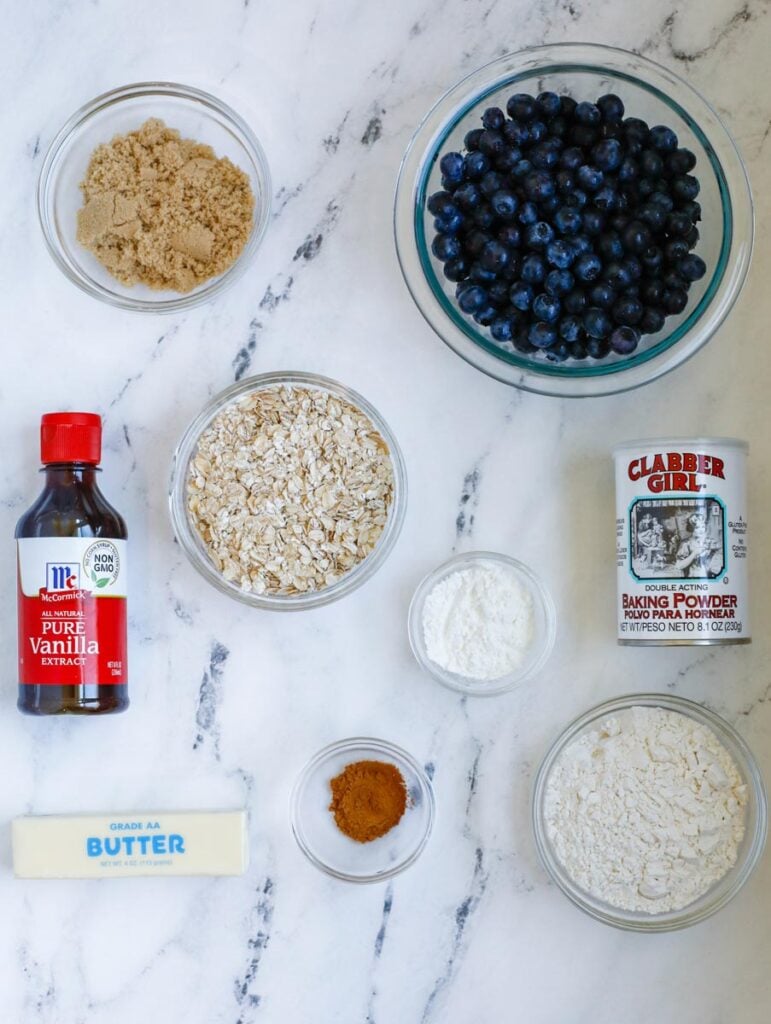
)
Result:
{"points": [[681, 541]]}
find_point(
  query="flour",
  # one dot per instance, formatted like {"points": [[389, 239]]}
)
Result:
{"points": [[478, 622], [646, 811]]}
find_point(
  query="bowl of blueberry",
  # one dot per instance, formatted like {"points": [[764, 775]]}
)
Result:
{"points": [[573, 220]]}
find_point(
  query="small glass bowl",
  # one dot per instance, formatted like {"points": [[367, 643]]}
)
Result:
{"points": [[325, 845], [545, 625], [196, 115], [192, 544], [749, 852], [649, 91]]}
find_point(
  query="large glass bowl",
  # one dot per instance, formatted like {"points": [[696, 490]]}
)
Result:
{"points": [[196, 115], [191, 542], [755, 818], [649, 91]]}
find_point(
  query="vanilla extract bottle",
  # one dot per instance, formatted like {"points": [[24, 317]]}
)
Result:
{"points": [[72, 580]]}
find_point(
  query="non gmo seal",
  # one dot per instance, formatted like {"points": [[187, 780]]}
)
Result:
{"points": [[101, 563]]}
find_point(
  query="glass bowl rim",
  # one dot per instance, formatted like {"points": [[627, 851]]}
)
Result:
{"points": [[473, 688], [185, 533], [482, 353], [237, 127], [739, 873], [388, 749]]}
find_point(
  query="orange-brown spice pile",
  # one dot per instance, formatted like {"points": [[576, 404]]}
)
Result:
{"points": [[368, 799]]}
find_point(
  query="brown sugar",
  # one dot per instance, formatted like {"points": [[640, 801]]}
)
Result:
{"points": [[164, 211], [368, 799]]}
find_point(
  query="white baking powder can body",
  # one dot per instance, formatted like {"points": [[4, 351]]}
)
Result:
{"points": [[681, 541]]}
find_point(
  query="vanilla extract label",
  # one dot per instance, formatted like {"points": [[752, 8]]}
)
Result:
{"points": [[682, 542]]}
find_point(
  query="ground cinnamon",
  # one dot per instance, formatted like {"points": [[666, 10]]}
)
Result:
{"points": [[368, 799]]}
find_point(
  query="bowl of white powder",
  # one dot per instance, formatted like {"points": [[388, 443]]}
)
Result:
{"points": [[481, 623], [649, 812]]}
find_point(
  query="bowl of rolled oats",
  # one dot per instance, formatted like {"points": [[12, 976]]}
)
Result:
{"points": [[288, 491]]}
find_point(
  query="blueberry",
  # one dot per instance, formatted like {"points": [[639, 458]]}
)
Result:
{"points": [[471, 139], [652, 260], [560, 254], [597, 348], [672, 280], [528, 213], [567, 220], [628, 171], [516, 133], [692, 237], [607, 155], [494, 256], [577, 198], [578, 350], [567, 106], [480, 274], [471, 298], [499, 293], [590, 178], [546, 307], [559, 282], [663, 139], [558, 127], [449, 224], [521, 295], [493, 118], [674, 300], [627, 311], [616, 275], [538, 131], [456, 270], [662, 199], [475, 241], [610, 246], [651, 164], [603, 295], [446, 247], [539, 235], [587, 113], [548, 104], [475, 164], [678, 224], [504, 204], [539, 185], [594, 221], [491, 143], [681, 161], [685, 187], [618, 221], [521, 107], [652, 292], [486, 315], [645, 188], [692, 267], [571, 328], [675, 249], [571, 158], [624, 340], [606, 198], [467, 197], [452, 166], [545, 156], [588, 267], [597, 323], [502, 329], [581, 244], [559, 352], [611, 108], [693, 211], [484, 217], [510, 236], [541, 334], [575, 301], [491, 182], [565, 180], [506, 161], [533, 269], [652, 215], [652, 320], [636, 236], [440, 203], [521, 340], [550, 205], [521, 169]]}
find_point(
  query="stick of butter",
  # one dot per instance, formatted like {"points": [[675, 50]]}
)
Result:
{"points": [[122, 845]]}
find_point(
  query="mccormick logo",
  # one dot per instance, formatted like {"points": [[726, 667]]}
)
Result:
{"points": [[62, 575], [675, 471]]}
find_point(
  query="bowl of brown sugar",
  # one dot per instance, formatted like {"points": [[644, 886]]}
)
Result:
{"points": [[362, 810], [154, 197]]}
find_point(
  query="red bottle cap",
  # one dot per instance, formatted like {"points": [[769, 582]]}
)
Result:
{"points": [[71, 437]]}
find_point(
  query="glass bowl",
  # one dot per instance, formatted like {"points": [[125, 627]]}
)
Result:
{"points": [[649, 91], [545, 623], [755, 818], [325, 845], [196, 115], [192, 544]]}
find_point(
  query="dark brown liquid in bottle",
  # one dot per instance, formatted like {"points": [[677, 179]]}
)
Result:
{"points": [[71, 505]]}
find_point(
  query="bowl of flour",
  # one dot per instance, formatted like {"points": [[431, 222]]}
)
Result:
{"points": [[649, 812], [481, 623]]}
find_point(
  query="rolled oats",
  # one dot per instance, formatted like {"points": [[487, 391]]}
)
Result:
{"points": [[289, 489]]}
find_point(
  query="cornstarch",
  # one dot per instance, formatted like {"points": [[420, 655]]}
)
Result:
{"points": [[646, 812], [478, 622]]}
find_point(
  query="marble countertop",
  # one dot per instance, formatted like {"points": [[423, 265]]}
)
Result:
{"points": [[227, 703]]}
